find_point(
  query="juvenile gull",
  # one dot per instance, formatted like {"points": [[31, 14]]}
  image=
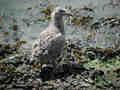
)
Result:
{"points": [[52, 40]]}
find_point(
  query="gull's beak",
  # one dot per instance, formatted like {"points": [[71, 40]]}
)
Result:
{"points": [[68, 13]]}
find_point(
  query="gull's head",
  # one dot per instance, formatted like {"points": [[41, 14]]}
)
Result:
{"points": [[60, 12]]}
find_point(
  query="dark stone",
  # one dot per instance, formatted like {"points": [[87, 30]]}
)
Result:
{"points": [[46, 72]]}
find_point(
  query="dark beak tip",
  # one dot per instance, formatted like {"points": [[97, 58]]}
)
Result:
{"points": [[69, 14]]}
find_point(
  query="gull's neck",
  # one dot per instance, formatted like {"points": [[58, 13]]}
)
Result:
{"points": [[58, 22]]}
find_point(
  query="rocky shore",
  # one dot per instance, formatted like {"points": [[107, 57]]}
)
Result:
{"points": [[79, 68]]}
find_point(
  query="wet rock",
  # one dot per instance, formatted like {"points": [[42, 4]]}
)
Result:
{"points": [[67, 75], [96, 73], [46, 72], [2, 86]]}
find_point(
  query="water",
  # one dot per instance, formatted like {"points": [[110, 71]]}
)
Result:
{"points": [[30, 10]]}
